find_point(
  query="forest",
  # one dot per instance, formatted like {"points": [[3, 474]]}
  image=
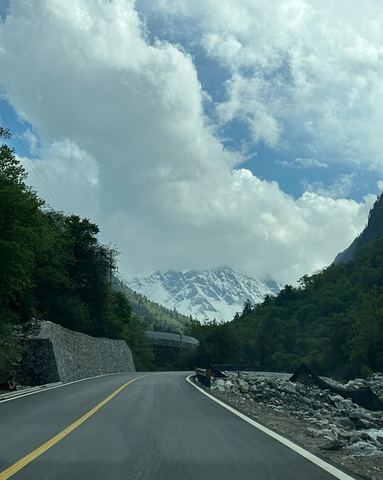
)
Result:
{"points": [[53, 267], [332, 321]]}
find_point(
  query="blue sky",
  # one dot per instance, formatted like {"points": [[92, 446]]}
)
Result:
{"points": [[271, 164], [200, 134]]}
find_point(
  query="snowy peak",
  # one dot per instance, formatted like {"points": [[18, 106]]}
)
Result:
{"points": [[205, 295]]}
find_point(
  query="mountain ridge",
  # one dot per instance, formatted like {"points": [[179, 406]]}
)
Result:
{"points": [[153, 315], [372, 230], [216, 294]]}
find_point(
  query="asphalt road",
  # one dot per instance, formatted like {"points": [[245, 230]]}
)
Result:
{"points": [[159, 427]]}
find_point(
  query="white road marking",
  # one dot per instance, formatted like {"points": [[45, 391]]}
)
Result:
{"points": [[43, 388], [296, 448]]}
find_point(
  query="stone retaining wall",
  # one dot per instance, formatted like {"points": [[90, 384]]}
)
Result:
{"points": [[53, 354]]}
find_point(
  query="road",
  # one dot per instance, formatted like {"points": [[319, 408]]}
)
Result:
{"points": [[157, 427]]}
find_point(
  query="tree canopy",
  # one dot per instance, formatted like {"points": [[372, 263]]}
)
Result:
{"points": [[53, 267], [333, 322]]}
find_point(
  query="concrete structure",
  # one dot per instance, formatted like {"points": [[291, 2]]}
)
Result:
{"points": [[175, 340], [173, 350]]}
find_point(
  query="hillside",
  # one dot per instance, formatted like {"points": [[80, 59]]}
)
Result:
{"points": [[372, 231], [154, 316], [333, 322], [216, 294], [53, 267]]}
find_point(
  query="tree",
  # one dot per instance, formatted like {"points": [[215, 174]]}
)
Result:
{"points": [[129, 327], [20, 218], [367, 342], [55, 291], [91, 272], [10, 348], [20, 221]]}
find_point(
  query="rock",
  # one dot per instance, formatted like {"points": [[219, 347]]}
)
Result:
{"points": [[337, 398], [363, 448], [243, 387], [219, 383], [362, 423], [347, 436], [347, 403], [366, 436], [272, 383], [345, 423], [326, 415], [354, 439], [290, 388], [325, 412], [330, 435], [332, 445]]}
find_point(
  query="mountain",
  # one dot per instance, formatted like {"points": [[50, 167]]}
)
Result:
{"points": [[372, 231], [205, 295], [153, 315]]}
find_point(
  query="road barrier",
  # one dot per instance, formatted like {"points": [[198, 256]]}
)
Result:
{"points": [[204, 376]]}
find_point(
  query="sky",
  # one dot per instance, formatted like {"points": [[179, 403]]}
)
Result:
{"points": [[201, 133]]}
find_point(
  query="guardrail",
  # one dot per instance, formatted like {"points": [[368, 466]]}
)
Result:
{"points": [[204, 376], [251, 368]]}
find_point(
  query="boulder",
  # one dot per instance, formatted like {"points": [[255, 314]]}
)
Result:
{"points": [[332, 445]]}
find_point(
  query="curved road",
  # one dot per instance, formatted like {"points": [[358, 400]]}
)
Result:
{"points": [[158, 427]]}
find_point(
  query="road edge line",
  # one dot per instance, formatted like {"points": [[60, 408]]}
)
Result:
{"points": [[288, 443], [46, 388]]}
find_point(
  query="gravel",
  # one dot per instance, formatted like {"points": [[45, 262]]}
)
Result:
{"points": [[323, 422]]}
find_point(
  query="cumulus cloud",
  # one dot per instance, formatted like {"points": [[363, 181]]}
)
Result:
{"points": [[123, 136], [299, 69]]}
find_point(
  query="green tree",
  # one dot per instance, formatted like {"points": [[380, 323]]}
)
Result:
{"points": [[367, 342], [130, 328], [20, 221]]}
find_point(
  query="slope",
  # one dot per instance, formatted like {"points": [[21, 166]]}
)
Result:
{"points": [[155, 316], [333, 322], [373, 230]]}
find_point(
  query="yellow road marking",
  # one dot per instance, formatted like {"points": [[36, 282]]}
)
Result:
{"points": [[10, 471]]}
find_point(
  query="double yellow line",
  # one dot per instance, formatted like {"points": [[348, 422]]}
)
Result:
{"points": [[10, 471]]}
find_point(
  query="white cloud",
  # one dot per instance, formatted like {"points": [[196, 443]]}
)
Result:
{"points": [[302, 163], [340, 188], [125, 140], [66, 176], [309, 163], [299, 67]]}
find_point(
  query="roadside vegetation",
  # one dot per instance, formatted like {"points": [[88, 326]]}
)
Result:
{"points": [[53, 267], [333, 322], [155, 316]]}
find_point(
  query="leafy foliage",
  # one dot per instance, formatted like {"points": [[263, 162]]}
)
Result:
{"points": [[333, 322], [9, 348], [132, 329], [155, 316], [52, 266]]}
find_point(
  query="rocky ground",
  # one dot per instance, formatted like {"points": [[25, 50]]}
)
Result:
{"points": [[324, 423]]}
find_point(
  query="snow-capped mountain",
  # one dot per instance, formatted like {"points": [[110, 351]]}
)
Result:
{"points": [[206, 295]]}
